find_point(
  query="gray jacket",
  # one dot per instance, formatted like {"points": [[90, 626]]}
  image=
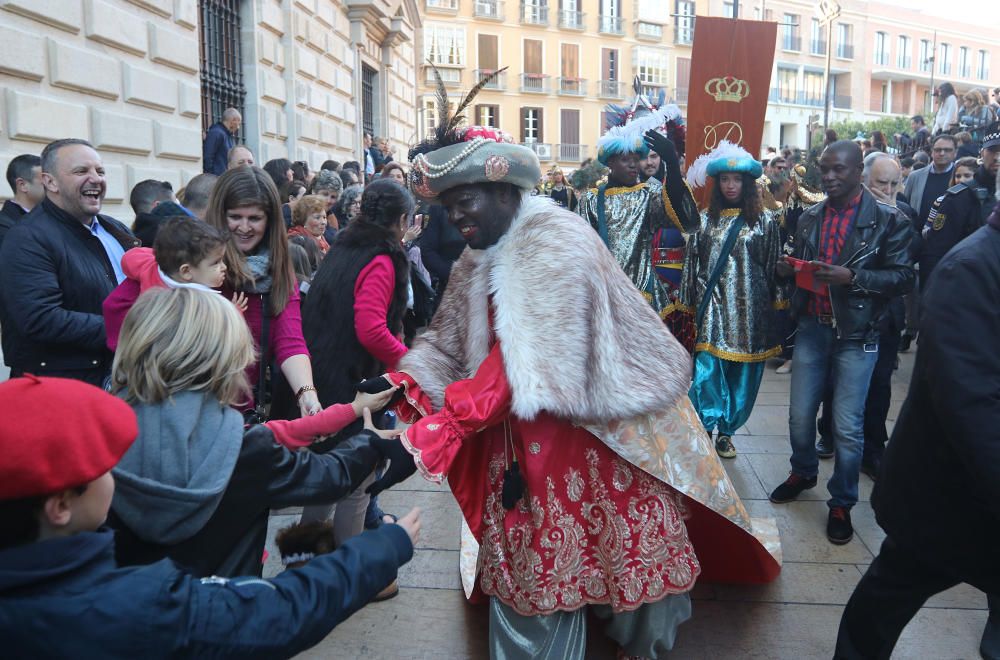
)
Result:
{"points": [[914, 189]]}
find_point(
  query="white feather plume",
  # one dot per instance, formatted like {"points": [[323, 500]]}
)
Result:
{"points": [[636, 128], [698, 172]]}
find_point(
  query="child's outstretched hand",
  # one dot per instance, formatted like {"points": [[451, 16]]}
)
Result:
{"points": [[240, 300], [376, 401], [411, 523]]}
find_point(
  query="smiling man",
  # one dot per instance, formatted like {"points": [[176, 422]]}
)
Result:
{"points": [[859, 250], [58, 266]]}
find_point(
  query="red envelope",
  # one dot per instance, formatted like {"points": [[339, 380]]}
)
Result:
{"points": [[805, 276]]}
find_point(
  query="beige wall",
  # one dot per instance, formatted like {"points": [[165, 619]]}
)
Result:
{"points": [[123, 75]]}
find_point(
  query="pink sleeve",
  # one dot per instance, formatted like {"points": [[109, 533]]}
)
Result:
{"points": [[303, 432], [372, 295], [116, 306], [286, 331]]}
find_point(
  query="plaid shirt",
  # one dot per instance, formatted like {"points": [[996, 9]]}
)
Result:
{"points": [[832, 236]]}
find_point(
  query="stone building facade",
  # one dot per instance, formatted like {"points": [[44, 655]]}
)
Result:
{"points": [[130, 76]]}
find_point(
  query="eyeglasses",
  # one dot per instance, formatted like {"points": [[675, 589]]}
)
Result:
{"points": [[943, 150]]}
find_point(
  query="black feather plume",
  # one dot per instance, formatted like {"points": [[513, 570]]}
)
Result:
{"points": [[487, 79], [443, 104]]}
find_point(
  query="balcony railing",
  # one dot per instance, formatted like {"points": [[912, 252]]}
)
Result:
{"points": [[489, 9], [572, 86], [611, 89], [817, 47], [882, 59], [450, 77], [842, 101], [644, 30], [904, 62], [537, 83], [681, 94], [946, 68], [534, 14], [965, 72], [779, 95], [845, 51], [448, 6], [610, 25], [791, 43], [571, 153], [500, 82], [983, 73], [926, 65], [571, 20]]}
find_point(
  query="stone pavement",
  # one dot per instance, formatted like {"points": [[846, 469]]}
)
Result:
{"points": [[794, 617]]}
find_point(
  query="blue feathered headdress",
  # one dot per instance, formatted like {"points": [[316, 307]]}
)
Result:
{"points": [[628, 124], [726, 157]]}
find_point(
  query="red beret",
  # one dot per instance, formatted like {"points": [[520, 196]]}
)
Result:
{"points": [[57, 433]]}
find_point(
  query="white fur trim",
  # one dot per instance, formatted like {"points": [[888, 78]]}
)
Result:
{"points": [[697, 174]]}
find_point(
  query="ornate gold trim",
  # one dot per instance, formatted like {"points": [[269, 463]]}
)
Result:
{"points": [[738, 357]]}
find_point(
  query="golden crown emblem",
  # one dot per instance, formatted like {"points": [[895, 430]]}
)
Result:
{"points": [[728, 89]]}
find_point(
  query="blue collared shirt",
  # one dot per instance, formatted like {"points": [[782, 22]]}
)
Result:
{"points": [[112, 248]]}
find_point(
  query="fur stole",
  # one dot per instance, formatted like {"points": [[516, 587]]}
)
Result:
{"points": [[578, 339]]}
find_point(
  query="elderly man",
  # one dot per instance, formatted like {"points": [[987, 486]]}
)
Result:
{"points": [[239, 156], [57, 269], [196, 194], [24, 175], [938, 495], [857, 250], [219, 140]]}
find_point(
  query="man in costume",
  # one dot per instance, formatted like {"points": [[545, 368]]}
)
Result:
{"points": [[729, 287], [643, 224], [581, 470]]}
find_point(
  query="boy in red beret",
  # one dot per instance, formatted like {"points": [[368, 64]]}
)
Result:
{"points": [[61, 593]]}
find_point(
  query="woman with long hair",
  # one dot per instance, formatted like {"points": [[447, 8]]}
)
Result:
{"points": [[975, 115], [729, 285], [353, 317], [197, 486], [245, 204], [560, 191], [947, 114]]}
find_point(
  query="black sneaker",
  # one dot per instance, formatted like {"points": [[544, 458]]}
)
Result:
{"points": [[724, 447], [824, 448], [904, 342], [791, 488], [838, 525]]}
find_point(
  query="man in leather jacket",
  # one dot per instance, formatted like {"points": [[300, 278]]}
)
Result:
{"points": [[859, 249]]}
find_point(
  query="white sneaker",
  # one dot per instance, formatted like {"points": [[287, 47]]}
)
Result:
{"points": [[785, 368]]}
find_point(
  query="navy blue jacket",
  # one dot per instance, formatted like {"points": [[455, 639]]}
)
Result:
{"points": [[66, 597], [54, 277], [215, 152]]}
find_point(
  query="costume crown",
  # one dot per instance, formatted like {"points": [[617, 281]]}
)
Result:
{"points": [[728, 89], [727, 157], [628, 124]]}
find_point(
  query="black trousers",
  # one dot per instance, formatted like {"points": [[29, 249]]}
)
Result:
{"points": [[895, 586]]}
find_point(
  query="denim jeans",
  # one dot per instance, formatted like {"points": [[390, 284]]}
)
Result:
{"points": [[820, 356]]}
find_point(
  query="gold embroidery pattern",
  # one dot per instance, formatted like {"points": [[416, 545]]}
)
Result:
{"points": [[585, 549]]}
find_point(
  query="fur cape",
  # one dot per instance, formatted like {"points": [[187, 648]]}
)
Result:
{"points": [[578, 339]]}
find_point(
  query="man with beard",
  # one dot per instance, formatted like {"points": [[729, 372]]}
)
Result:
{"points": [[962, 210], [560, 445], [58, 266]]}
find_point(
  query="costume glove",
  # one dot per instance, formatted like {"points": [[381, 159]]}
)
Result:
{"points": [[661, 144], [380, 384], [401, 464]]}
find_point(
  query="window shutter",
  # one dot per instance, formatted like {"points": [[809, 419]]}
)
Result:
{"points": [[570, 60], [488, 58], [533, 56], [569, 131], [524, 112], [541, 114]]}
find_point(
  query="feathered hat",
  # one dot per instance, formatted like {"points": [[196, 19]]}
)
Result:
{"points": [[456, 155], [627, 124], [726, 157]]}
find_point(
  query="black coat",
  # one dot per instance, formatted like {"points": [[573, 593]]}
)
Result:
{"points": [[938, 495], [266, 476], [54, 277], [440, 246], [877, 250], [10, 214], [339, 360]]}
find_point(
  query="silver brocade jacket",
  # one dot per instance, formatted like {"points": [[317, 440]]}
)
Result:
{"points": [[633, 214], [739, 321]]}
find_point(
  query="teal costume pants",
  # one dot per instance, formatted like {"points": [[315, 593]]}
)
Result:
{"points": [[723, 392]]}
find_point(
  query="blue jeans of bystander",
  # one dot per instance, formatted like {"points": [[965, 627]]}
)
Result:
{"points": [[820, 356]]}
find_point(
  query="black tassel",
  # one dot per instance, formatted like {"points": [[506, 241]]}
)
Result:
{"points": [[513, 486]]}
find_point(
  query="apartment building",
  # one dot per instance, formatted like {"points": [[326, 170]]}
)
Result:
{"points": [[885, 61], [566, 60], [143, 79]]}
